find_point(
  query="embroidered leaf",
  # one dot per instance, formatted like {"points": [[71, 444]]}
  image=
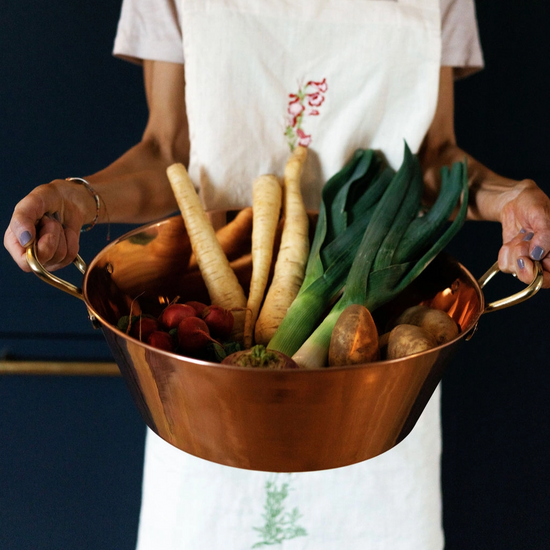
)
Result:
{"points": [[279, 526]]}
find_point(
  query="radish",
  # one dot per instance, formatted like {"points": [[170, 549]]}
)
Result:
{"points": [[219, 320], [142, 327], [173, 314], [193, 335], [161, 340], [197, 306]]}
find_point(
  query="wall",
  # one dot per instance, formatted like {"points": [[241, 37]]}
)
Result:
{"points": [[70, 462]]}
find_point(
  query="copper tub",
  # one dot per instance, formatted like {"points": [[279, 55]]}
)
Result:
{"points": [[281, 421]]}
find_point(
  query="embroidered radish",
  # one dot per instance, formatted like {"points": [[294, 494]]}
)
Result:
{"points": [[306, 102]]}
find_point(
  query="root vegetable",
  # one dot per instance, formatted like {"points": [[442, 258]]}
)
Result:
{"points": [[354, 338], [219, 321], [260, 357], [407, 339], [234, 237], [223, 286], [199, 307], [193, 335], [437, 322], [172, 315], [161, 340], [293, 252], [266, 200], [143, 327]]}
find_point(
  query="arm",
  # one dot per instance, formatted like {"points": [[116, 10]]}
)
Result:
{"points": [[521, 207], [133, 189]]}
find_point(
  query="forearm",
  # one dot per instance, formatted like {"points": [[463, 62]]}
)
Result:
{"points": [[488, 191], [135, 187]]}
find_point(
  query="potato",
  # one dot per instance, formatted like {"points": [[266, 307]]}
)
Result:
{"points": [[406, 339], [354, 339], [437, 322]]}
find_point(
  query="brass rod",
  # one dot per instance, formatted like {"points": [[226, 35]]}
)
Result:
{"points": [[59, 368]]}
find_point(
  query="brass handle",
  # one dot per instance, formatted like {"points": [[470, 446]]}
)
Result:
{"points": [[521, 296], [40, 271]]}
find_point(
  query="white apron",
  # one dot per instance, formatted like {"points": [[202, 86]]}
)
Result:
{"points": [[335, 75]]}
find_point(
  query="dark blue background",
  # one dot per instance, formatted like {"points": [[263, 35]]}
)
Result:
{"points": [[71, 454]]}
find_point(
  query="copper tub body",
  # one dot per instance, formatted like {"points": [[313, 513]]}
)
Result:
{"points": [[281, 421]]}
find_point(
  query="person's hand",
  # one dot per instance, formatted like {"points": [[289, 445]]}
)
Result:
{"points": [[526, 233], [54, 214]]}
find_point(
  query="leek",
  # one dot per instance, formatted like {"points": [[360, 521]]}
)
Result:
{"points": [[348, 201], [378, 273]]}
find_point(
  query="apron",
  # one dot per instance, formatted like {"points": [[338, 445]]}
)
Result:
{"points": [[262, 76]]}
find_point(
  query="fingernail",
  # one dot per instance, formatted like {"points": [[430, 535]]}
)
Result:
{"points": [[523, 230], [521, 263], [537, 253], [25, 238], [528, 237]]}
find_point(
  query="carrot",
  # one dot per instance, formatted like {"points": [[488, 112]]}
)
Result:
{"points": [[221, 282], [266, 204], [233, 237], [293, 252]]}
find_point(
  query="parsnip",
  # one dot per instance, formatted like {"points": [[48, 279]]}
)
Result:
{"points": [[293, 252], [266, 205], [221, 282]]}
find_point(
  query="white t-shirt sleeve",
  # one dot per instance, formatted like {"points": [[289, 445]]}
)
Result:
{"points": [[460, 46], [149, 29]]}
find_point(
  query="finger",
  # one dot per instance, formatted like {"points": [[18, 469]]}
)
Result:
{"points": [[30, 210], [18, 253], [512, 250], [47, 240], [60, 244], [526, 271]]}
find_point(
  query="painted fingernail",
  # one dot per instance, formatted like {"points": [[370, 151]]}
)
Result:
{"points": [[537, 253], [528, 237], [25, 238], [521, 263], [523, 230]]}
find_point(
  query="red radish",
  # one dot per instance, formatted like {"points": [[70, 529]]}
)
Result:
{"points": [[161, 340], [219, 321], [197, 306], [143, 327], [173, 314], [193, 335]]}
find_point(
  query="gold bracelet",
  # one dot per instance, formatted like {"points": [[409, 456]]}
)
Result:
{"points": [[97, 200]]}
